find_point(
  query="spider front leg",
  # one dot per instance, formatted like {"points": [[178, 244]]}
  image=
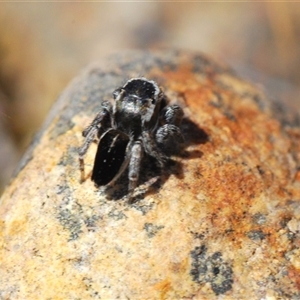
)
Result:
{"points": [[168, 136], [169, 139], [101, 122], [134, 168], [172, 114], [152, 148]]}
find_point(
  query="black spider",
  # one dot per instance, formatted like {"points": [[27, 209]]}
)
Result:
{"points": [[139, 121]]}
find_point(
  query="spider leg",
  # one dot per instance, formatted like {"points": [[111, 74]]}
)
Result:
{"points": [[134, 167], [172, 114], [101, 122], [169, 139], [152, 149]]}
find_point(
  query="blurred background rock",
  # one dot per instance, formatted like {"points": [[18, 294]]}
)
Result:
{"points": [[44, 45]]}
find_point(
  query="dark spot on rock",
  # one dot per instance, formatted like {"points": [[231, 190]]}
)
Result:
{"points": [[197, 235], [89, 287], [261, 102], [212, 269], [90, 222], [229, 115], [204, 65], [283, 222], [291, 236], [259, 218], [69, 217], [286, 116], [73, 216], [60, 189], [117, 215], [215, 104], [256, 235], [143, 208], [68, 158], [64, 124], [152, 229], [260, 170], [223, 281], [198, 263], [216, 271]]}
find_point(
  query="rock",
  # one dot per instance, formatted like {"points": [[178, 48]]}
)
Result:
{"points": [[221, 220]]}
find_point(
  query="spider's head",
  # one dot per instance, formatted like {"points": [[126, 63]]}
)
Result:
{"points": [[138, 97], [140, 89]]}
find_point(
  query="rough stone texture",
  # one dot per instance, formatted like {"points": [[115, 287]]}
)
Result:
{"points": [[221, 221]]}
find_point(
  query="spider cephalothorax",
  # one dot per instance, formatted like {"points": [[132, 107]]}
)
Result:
{"points": [[138, 122]]}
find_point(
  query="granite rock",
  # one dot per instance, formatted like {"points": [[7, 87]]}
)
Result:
{"points": [[221, 221]]}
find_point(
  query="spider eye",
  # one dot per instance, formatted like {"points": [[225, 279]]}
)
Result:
{"points": [[153, 101]]}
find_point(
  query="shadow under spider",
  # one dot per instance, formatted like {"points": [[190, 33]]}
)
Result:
{"points": [[152, 177]]}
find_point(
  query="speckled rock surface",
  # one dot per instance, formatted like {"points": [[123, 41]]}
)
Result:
{"points": [[222, 221]]}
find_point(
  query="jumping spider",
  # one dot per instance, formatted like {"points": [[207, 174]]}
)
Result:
{"points": [[139, 121]]}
